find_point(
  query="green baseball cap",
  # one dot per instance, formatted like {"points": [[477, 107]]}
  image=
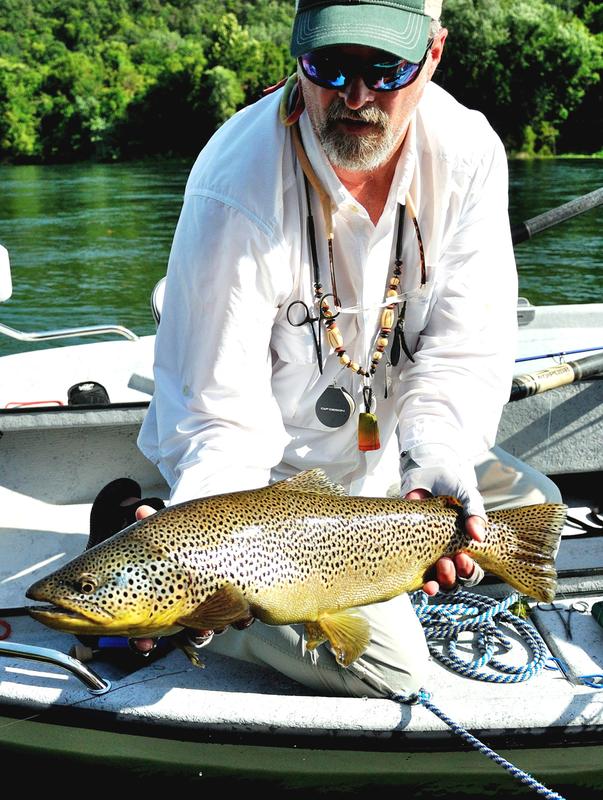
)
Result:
{"points": [[398, 26]]}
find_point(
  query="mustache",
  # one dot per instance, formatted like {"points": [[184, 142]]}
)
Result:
{"points": [[370, 114]]}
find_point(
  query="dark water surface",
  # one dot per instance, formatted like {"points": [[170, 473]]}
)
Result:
{"points": [[88, 242]]}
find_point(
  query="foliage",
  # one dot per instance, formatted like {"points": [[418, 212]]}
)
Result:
{"points": [[120, 78], [225, 93], [107, 79], [526, 64]]}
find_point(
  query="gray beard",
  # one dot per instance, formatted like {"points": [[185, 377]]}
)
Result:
{"points": [[356, 153]]}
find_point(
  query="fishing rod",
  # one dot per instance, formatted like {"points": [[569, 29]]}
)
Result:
{"points": [[558, 354], [552, 378], [525, 230]]}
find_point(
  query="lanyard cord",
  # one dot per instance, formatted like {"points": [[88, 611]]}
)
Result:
{"points": [[413, 215], [327, 211], [317, 286], [291, 120], [368, 430], [310, 178], [399, 234]]}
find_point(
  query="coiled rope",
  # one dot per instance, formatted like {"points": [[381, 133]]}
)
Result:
{"points": [[457, 613], [461, 611]]}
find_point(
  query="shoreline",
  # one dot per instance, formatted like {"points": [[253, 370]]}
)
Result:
{"points": [[519, 156], [512, 155]]}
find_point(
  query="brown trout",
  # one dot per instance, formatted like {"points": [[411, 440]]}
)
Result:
{"points": [[299, 551]]}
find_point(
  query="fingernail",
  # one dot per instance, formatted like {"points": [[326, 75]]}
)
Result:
{"points": [[480, 529]]}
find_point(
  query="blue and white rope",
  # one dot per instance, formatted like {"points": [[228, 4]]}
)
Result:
{"points": [[458, 613], [424, 698], [461, 611]]}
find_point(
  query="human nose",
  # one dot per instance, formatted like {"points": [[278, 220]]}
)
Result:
{"points": [[356, 93]]}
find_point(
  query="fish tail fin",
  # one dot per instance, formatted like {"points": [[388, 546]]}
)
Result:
{"points": [[520, 546]]}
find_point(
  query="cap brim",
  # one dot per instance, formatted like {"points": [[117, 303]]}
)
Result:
{"points": [[403, 33]]}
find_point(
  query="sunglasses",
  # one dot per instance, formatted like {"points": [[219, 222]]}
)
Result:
{"points": [[329, 68]]}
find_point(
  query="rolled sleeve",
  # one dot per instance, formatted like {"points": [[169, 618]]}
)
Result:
{"points": [[214, 425]]}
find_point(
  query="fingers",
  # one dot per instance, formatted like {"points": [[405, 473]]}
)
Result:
{"points": [[144, 511], [476, 528], [417, 494], [442, 576], [241, 624], [431, 588], [144, 646], [464, 565], [447, 572]]}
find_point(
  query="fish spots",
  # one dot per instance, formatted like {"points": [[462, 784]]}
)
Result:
{"points": [[293, 554], [259, 542]]}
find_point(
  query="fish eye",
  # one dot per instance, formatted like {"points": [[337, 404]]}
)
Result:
{"points": [[87, 584]]}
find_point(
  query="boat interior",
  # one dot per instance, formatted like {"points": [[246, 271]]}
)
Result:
{"points": [[53, 464]]}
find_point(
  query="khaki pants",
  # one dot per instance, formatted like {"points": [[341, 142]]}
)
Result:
{"points": [[396, 658]]}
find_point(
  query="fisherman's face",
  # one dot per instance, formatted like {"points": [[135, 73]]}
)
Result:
{"points": [[360, 129]]}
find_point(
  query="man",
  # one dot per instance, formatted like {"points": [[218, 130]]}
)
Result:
{"points": [[407, 191]]}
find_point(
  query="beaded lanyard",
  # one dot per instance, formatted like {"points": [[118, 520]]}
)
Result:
{"points": [[368, 429]]}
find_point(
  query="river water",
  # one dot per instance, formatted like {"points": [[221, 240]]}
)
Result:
{"points": [[88, 242]]}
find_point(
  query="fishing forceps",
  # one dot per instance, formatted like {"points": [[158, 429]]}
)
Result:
{"points": [[577, 607], [299, 314], [594, 681]]}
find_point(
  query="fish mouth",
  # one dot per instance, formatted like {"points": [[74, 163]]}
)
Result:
{"points": [[68, 609], [69, 619]]}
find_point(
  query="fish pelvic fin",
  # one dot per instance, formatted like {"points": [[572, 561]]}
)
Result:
{"points": [[315, 635], [220, 609], [310, 481], [347, 632], [520, 546]]}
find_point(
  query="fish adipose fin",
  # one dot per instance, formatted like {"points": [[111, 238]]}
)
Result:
{"points": [[449, 501], [311, 481], [347, 632], [520, 547], [222, 608]]}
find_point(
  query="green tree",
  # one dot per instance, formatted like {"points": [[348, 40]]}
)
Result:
{"points": [[525, 64], [224, 93], [19, 121], [122, 78]]}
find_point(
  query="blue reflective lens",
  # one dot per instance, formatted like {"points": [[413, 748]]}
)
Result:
{"points": [[329, 68]]}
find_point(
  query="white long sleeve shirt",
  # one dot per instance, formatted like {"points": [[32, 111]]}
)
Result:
{"points": [[236, 385]]}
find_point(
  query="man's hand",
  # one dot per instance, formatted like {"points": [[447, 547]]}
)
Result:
{"points": [[462, 565], [432, 469]]}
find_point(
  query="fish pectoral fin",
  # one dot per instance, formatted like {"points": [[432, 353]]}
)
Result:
{"points": [[220, 609], [310, 481], [348, 634]]}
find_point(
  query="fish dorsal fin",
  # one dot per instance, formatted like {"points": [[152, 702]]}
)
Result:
{"points": [[220, 609], [348, 634], [310, 481]]}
